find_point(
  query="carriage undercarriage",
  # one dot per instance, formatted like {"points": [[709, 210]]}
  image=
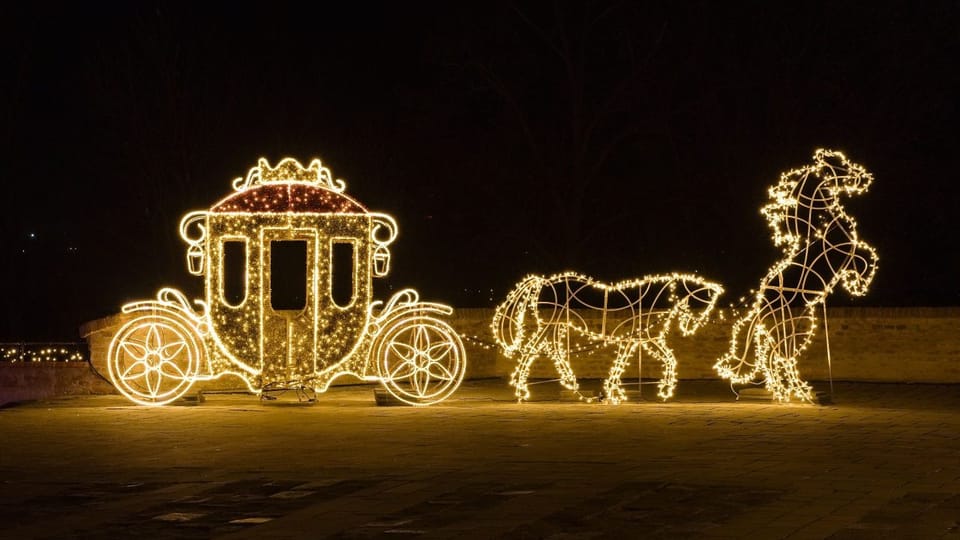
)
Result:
{"points": [[166, 348]]}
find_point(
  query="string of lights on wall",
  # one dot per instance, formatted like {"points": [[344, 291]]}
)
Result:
{"points": [[564, 314], [821, 249], [31, 352]]}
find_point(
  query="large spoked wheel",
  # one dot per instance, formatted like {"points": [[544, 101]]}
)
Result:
{"points": [[420, 360], [154, 359]]}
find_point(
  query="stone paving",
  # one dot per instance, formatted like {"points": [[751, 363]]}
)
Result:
{"points": [[882, 462]]}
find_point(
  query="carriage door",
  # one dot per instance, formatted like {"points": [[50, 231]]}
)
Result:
{"points": [[288, 342]]}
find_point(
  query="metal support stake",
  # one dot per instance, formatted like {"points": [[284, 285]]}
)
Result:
{"points": [[826, 333]]}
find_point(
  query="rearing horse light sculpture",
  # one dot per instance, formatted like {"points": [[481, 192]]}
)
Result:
{"points": [[821, 249]]}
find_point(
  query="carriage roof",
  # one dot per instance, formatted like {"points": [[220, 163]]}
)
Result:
{"points": [[296, 197], [289, 187]]}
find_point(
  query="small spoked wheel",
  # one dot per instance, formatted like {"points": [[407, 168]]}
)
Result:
{"points": [[420, 360], [154, 359]]}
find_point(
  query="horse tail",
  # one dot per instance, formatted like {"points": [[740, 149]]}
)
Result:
{"points": [[735, 365], [510, 324]]}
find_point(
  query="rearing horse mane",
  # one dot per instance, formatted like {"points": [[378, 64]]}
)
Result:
{"points": [[820, 248]]}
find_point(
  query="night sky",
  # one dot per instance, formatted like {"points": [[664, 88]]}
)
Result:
{"points": [[616, 139]]}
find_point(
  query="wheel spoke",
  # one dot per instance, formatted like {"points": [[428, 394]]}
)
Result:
{"points": [[445, 374], [171, 350], [421, 380], [154, 341], [153, 382], [421, 340], [437, 351], [128, 376], [176, 374], [403, 351], [136, 350], [410, 366]]}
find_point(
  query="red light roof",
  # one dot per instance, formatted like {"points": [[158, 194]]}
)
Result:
{"points": [[297, 197]]}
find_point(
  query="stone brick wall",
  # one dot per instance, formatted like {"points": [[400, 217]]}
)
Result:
{"points": [[24, 381], [866, 344]]}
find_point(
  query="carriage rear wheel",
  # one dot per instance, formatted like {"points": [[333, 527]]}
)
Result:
{"points": [[420, 360], [154, 359]]}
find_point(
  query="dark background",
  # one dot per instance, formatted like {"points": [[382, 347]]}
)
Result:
{"points": [[617, 139]]}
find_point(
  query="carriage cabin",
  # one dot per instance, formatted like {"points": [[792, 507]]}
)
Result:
{"points": [[289, 274]]}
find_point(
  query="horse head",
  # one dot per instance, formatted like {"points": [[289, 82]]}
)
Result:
{"points": [[804, 192], [696, 299], [840, 175]]}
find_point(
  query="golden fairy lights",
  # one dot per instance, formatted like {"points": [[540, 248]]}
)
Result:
{"points": [[169, 344], [556, 316], [821, 249], [30, 352]]}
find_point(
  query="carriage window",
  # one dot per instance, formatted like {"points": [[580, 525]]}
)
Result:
{"points": [[233, 280], [288, 274], [342, 261]]}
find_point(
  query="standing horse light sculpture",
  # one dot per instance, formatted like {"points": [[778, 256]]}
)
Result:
{"points": [[557, 315], [821, 249]]}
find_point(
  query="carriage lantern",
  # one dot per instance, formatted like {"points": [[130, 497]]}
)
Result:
{"points": [[288, 261]]}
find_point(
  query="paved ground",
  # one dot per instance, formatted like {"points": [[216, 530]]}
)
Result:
{"points": [[884, 461]]}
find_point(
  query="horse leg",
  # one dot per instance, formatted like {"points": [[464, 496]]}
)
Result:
{"points": [[561, 360], [612, 388], [784, 373], [793, 384], [781, 355], [668, 381], [518, 379], [734, 365]]}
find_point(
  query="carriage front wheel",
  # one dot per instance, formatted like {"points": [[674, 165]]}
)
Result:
{"points": [[420, 359], [154, 359]]}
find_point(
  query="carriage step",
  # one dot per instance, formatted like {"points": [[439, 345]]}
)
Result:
{"points": [[385, 399], [191, 399]]}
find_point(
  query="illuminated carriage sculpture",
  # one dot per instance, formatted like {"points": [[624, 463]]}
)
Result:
{"points": [[304, 343]]}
